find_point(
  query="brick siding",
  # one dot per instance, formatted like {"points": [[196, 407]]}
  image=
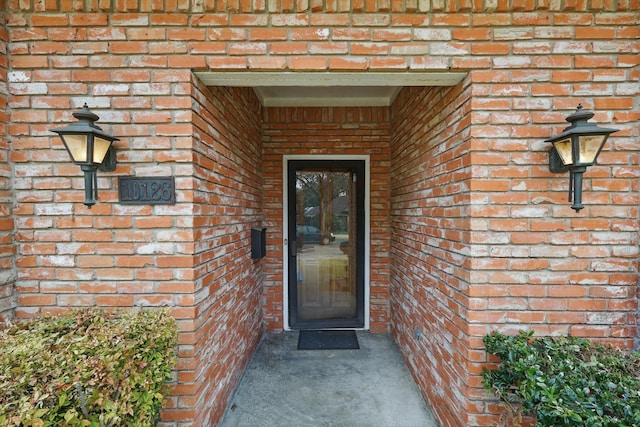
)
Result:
{"points": [[470, 231], [320, 7], [7, 250], [227, 192], [431, 245]]}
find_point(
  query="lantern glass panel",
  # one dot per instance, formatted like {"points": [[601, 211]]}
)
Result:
{"points": [[100, 148], [77, 146], [563, 147], [589, 148]]}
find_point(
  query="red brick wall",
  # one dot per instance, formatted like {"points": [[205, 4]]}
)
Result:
{"points": [[328, 131], [431, 242], [112, 255], [227, 188], [342, 7], [7, 251]]}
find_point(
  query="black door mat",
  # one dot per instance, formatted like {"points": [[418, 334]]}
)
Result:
{"points": [[328, 340]]}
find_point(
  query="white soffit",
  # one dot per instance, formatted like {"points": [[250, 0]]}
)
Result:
{"points": [[327, 89]]}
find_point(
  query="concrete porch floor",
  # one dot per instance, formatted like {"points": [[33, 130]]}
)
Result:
{"points": [[283, 386]]}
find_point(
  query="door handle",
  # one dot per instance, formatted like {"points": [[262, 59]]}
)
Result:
{"points": [[293, 248]]}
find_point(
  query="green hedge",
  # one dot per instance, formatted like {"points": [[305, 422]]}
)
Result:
{"points": [[87, 368], [564, 381]]}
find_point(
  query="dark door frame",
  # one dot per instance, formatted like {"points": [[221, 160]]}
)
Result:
{"points": [[289, 291]]}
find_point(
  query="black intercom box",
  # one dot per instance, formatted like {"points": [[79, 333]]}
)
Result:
{"points": [[258, 243]]}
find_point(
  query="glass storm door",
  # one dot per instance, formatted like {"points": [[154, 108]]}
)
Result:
{"points": [[326, 244]]}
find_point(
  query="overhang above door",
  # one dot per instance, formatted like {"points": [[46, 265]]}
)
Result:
{"points": [[327, 89]]}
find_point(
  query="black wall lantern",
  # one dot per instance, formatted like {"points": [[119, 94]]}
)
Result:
{"points": [[576, 148], [90, 148]]}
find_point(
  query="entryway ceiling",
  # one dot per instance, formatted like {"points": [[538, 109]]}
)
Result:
{"points": [[327, 89]]}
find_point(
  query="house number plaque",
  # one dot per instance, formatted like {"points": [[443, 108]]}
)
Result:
{"points": [[147, 191]]}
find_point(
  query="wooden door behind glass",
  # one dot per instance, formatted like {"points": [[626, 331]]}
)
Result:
{"points": [[326, 244]]}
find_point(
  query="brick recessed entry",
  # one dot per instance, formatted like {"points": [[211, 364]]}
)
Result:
{"points": [[470, 231]]}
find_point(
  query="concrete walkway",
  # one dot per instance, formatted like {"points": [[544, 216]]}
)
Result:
{"points": [[286, 387]]}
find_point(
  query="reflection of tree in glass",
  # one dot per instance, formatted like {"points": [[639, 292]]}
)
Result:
{"points": [[317, 193], [309, 183]]}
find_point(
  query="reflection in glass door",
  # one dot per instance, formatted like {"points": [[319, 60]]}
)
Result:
{"points": [[326, 239]]}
